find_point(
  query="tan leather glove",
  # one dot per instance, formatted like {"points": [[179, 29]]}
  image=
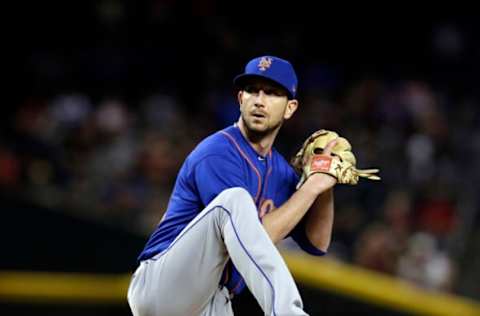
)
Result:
{"points": [[341, 164]]}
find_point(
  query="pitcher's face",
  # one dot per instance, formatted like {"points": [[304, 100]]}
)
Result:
{"points": [[263, 106]]}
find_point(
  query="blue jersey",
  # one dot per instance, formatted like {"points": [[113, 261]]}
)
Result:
{"points": [[221, 161]]}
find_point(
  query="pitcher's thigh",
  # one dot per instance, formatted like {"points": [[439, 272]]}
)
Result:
{"points": [[186, 275]]}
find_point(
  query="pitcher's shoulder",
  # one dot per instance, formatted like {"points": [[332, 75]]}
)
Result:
{"points": [[214, 144]]}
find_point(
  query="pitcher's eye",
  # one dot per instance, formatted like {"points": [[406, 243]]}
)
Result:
{"points": [[251, 89], [275, 92], [269, 91]]}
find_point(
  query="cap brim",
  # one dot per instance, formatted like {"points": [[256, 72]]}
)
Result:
{"points": [[241, 80]]}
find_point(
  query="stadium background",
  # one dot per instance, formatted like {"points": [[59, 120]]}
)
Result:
{"points": [[106, 99]]}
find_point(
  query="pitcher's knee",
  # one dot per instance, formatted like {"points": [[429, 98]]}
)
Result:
{"points": [[237, 198], [236, 193]]}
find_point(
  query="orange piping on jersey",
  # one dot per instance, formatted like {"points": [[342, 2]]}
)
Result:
{"points": [[269, 171], [266, 179], [265, 185], [249, 162]]}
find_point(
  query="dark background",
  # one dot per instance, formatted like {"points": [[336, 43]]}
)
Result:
{"points": [[82, 191]]}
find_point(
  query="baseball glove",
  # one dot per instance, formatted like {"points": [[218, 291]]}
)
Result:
{"points": [[341, 164]]}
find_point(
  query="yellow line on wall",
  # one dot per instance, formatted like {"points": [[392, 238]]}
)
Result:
{"points": [[323, 273], [63, 287], [376, 288]]}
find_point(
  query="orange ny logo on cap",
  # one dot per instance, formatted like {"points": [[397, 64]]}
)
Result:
{"points": [[264, 63]]}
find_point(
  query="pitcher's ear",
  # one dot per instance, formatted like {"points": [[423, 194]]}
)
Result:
{"points": [[292, 106]]}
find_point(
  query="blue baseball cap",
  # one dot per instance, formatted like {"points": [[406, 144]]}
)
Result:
{"points": [[272, 68]]}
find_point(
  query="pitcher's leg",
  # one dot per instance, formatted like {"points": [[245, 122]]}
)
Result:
{"points": [[183, 279], [135, 295], [256, 257]]}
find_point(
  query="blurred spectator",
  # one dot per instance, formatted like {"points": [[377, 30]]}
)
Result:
{"points": [[9, 169], [376, 249], [426, 265], [436, 213], [398, 216]]}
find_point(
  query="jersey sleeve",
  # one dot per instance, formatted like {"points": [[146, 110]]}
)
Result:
{"points": [[216, 173], [298, 234]]}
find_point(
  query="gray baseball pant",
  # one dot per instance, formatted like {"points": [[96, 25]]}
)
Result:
{"points": [[183, 280]]}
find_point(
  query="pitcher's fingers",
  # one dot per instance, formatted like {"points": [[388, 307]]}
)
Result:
{"points": [[368, 171], [329, 147], [369, 176]]}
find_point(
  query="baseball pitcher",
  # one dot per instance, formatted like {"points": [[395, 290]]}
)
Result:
{"points": [[235, 196]]}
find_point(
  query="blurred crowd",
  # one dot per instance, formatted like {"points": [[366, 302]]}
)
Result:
{"points": [[114, 156]]}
